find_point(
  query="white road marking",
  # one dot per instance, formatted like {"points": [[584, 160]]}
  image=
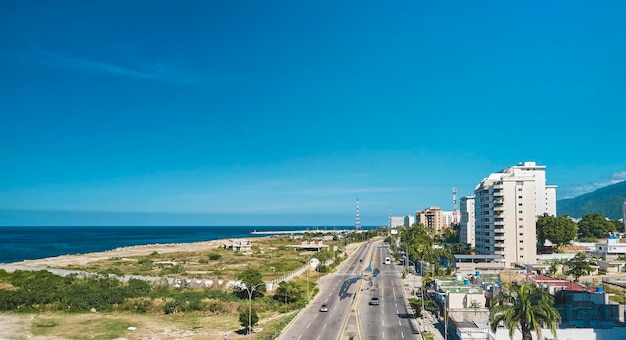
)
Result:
{"points": [[402, 334], [300, 337]]}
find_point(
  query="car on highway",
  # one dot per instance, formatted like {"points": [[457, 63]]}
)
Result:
{"points": [[324, 308], [374, 301]]}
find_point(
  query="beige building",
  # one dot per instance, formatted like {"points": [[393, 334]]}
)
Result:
{"points": [[431, 217], [507, 204]]}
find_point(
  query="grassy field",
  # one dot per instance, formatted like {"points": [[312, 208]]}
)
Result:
{"points": [[272, 256]]}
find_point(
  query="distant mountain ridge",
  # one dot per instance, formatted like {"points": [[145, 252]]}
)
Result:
{"points": [[607, 201]]}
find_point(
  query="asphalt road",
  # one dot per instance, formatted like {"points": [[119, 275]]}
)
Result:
{"points": [[348, 293]]}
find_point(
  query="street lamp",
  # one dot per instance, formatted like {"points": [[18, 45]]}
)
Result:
{"points": [[250, 291], [414, 265]]}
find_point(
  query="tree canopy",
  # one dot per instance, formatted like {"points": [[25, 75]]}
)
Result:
{"points": [[288, 292], [251, 279], [579, 266], [559, 230], [524, 307], [595, 226]]}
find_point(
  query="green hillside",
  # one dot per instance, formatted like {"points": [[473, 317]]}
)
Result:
{"points": [[607, 201]]}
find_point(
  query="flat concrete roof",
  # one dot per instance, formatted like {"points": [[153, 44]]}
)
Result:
{"points": [[479, 257]]}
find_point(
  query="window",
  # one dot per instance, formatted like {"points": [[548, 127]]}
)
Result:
{"points": [[522, 249], [520, 197], [520, 219], [521, 241], [521, 234], [520, 212]]}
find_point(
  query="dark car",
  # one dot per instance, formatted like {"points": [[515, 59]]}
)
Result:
{"points": [[374, 301], [324, 308]]}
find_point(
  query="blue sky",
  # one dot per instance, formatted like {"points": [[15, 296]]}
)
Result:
{"points": [[286, 112]]}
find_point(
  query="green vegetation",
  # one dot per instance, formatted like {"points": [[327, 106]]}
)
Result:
{"points": [[524, 307], [595, 225], [559, 230], [416, 305], [618, 296], [579, 266], [423, 245], [101, 329], [46, 294]]}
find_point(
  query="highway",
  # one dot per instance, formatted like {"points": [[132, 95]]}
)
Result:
{"points": [[338, 292], [348, 293], [391, 318]]}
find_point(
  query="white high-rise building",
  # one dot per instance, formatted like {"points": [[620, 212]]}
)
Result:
{"points": [[468, 221], [397, 221], [449, 218], [507, 204]]}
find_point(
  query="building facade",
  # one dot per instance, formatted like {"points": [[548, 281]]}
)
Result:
{"points": [[507, 204], [468, 221], [409, 220], [431, 217], [397, 221], [450, 218]]}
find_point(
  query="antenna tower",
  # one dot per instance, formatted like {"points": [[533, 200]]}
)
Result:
{"points": [[357, 223], [454, 210]]}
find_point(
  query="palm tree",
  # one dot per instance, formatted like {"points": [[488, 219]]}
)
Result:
{"points": [[524, 307]]}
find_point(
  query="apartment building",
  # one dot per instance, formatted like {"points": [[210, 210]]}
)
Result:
{"points": [[468, 221], [431, 217], [506, 205], [397, 221], [450, 218]]}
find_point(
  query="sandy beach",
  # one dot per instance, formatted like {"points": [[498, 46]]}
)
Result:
{"points": [[140, 250]]}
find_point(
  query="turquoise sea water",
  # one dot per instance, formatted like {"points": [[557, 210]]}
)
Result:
{"points": [[28, 243]]}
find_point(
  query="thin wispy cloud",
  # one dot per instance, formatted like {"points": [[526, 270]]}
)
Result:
{"points": [[583, 189], [141, 71]]}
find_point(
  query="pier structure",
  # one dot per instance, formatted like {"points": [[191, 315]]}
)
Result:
{"points": [[323, 231]]}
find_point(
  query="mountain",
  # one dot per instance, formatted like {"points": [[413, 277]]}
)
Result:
{"points": [[607, 201]]}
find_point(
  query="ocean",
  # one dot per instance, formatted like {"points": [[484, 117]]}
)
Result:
{"points": [[30, 243]]}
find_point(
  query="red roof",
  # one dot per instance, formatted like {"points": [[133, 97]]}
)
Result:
{"points": [[556, 282]]}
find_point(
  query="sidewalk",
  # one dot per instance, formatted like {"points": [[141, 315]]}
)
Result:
{"points": [[426, 324]]}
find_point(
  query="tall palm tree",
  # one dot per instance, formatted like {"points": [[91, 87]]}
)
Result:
{"points": [[524, 307]]}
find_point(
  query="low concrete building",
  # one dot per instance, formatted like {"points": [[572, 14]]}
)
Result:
{"points": [[311, 246], [589, 309], [469, 264], [612, 248], [612, 267], [238, 244]]}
